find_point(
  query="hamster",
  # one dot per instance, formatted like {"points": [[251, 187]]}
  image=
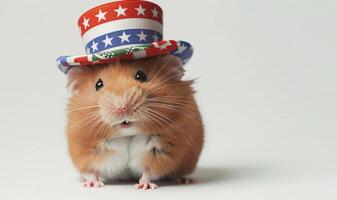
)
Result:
{"points": [[133, 120]]}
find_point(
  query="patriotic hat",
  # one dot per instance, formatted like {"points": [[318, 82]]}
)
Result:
{"points": [[123, 30]]}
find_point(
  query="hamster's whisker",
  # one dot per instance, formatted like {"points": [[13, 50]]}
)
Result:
{"points": [[159, 87], [83, 108], [157, 80], [161, 68], [169, 78], [158, 113], [152, 116], [168, 73], [180, 104], [171, 101], [163, 76], [90, 117], [149, 117], [161, 82], [87, 116], [96, 127], [172, 97], [87, 119], [178, 107], [186, 109], [146, 115], [168, 121], [185, 112]]}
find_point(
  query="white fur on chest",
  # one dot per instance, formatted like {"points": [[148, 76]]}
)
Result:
{"points": [[124, 155]]}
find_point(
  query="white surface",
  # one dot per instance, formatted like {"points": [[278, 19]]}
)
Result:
{"points": [[267, 91]]}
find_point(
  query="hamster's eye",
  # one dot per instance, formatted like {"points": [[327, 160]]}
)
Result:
{"points": [[140, 76], [99, 84]]}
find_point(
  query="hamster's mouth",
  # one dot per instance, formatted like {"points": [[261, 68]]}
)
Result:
{"points": [[126, 124]]}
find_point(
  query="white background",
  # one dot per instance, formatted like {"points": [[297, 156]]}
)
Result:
{"points": [[267, 90]]}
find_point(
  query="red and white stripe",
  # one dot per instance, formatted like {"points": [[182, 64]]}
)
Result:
{"points": [[125, 24], [151, 12]]}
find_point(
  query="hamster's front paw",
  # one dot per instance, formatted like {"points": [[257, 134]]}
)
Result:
{"points": [[91, 181]]}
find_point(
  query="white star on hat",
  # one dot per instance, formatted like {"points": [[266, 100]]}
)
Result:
{"points": [[124, 37], [155, 12], [85, 22], [101, 15], [181, 49], [142, 36], [155, 37], [94, 46], [140, 10], [107, 41], [120, 11]]}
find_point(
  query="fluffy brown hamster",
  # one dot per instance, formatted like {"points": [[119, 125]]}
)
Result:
{"points": [[133, 119]]}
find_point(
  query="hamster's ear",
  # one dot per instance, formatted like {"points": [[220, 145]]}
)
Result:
{"points": [[173, 64], [74, 75]]}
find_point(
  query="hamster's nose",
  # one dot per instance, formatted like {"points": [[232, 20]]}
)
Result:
{"points": [[122, 109]]}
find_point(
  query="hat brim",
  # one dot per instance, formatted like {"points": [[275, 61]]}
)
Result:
{"points": [[181, 49]]}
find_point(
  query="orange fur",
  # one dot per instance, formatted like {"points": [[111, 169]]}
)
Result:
{"points": [[177, 125]]}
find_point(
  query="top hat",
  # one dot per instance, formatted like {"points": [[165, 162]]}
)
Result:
{"points": [[124, 30]]}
